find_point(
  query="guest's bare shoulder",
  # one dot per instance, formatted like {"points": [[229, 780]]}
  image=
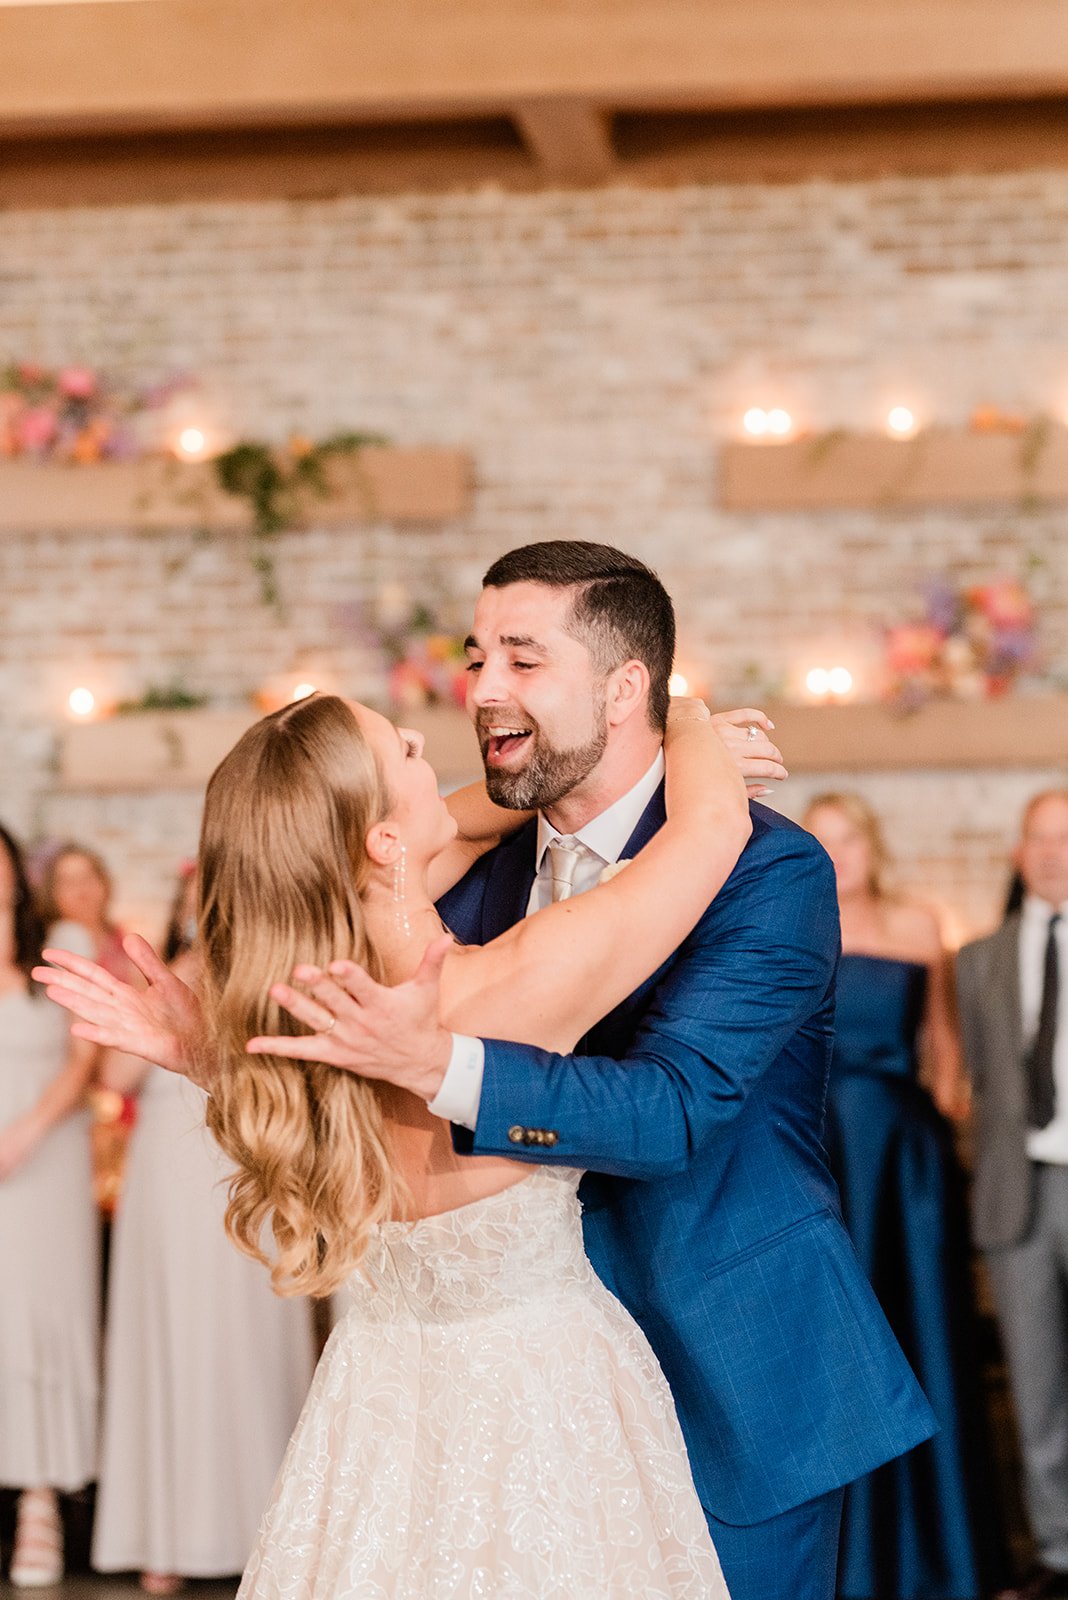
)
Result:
{"points": [[913, 930]]}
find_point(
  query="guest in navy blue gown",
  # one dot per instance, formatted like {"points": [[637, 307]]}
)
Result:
{"points": [[924, 1527]]}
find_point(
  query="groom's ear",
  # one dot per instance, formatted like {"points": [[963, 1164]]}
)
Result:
{"points": [[628, 691], [383, 844]]}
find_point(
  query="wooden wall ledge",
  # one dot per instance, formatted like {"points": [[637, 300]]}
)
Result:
{"points": [[1015, 731], [937, 467], [380, 483], [180, 749], [158, 750]]}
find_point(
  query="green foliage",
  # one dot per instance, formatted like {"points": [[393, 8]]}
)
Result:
{"points": [[278, 485], [173, 696]]}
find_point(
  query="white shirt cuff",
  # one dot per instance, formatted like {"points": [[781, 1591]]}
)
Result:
{"points": [[460, 1096]]}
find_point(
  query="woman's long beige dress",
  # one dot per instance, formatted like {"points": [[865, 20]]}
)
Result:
{"points": [[206, 1368], [50, 1265]]}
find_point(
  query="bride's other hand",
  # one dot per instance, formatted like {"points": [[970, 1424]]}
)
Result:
{"points": [[759, 760], [162, 1023]]}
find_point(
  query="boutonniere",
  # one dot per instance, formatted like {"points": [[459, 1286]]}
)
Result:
{"points": [[613, 869]]}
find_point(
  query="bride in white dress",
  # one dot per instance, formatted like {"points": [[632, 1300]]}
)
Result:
{"points": [[487, 1420]]}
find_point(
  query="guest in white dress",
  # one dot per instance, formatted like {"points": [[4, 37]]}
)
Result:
{"points": [[206, 1369], [49, 1239]]}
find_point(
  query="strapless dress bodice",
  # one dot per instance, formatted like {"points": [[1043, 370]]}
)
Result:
{"points": [[520, 1245], [878, 1014]]}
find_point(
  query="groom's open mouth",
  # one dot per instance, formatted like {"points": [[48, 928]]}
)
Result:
{"points": [[505, 745]]}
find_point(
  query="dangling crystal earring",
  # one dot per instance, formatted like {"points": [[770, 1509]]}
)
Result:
{"points": [[400, 893]]}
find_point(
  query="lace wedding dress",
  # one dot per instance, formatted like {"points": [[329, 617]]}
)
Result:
{"points": [[487, 1423]]}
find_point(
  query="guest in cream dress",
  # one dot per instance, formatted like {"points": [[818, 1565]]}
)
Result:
{"points": [[49, 1239], [206, 1368]]}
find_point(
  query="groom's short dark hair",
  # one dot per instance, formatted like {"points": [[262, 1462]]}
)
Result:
{"points": [[621, 612]]}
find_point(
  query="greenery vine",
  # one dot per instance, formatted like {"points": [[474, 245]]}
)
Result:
{"points": [[278, 485]]}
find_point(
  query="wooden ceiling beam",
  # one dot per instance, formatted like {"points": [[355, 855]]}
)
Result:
{"points": [[142, 64], [570, 139]]}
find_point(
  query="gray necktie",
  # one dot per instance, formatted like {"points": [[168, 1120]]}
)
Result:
{"points": [[564, 857], [1041, 1095]]}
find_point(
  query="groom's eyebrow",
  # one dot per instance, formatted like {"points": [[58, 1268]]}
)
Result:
{"points": [[512, 641], [523, 641]]}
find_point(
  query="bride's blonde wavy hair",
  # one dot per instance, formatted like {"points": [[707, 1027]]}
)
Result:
{"points": [[281, 868]]}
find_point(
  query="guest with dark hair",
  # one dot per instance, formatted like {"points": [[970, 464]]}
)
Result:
{"points": [[48, 1239], [923, 1527], [194, 1334]]}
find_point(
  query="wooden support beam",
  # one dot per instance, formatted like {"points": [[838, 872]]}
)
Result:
{"points": [[144, 64], [570, 139]]}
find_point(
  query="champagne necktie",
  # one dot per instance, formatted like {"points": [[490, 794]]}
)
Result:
{"points": [[564, 857], [1040, 1091]]}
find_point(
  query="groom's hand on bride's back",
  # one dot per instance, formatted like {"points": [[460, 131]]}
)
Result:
{"points": [[368, 1027]]}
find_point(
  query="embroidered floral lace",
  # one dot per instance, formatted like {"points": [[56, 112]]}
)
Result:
{"points": [[487, 1423]]}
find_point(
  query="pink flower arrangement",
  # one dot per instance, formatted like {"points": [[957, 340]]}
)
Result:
{"points": [[70, 415], [972, 644], [426, 664]]}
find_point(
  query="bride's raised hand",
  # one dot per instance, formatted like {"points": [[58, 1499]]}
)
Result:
{"points": [[162, 1022], [745, 735]]}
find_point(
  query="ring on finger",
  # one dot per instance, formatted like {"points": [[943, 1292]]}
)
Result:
{"points": [[331, 1025], [751, 730]]}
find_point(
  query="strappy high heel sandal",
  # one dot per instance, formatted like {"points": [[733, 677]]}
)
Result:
{"points": [[38, 1559]]}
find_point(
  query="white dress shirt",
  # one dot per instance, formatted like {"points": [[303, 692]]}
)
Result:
{"points": [[605, 837], [1050, 1143]]}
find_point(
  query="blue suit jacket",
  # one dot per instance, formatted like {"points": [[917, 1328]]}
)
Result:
{"points": [[697, 1108]]}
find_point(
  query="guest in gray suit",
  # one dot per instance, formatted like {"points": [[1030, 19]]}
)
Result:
{"points": [[1015, 1038]]}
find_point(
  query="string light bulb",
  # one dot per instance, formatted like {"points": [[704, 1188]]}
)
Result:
{"points": [[901, 422], [82, 702], [678, 686], [829, 683], [301, 691], [780, 422], [755, 422], [192, 444]]}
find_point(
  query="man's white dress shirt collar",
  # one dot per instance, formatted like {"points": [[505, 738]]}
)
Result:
{"points": [[607, 835]]}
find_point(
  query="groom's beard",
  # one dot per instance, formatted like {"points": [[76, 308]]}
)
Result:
{"points": [[547, 773]]}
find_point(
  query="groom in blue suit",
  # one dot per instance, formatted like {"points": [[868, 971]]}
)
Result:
{"points": [[696, 1107]]}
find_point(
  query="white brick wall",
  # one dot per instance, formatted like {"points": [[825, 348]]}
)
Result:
{"points": [[590, 348]]}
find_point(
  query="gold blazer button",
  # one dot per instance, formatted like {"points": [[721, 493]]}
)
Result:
{"points": [[516, 1135]]}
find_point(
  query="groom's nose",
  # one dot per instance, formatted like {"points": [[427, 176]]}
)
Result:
{"points": [[490, 686]]}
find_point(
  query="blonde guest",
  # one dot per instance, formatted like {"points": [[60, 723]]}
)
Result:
{"points": [[206, 1369], [923, 1527], [48, 1240]]}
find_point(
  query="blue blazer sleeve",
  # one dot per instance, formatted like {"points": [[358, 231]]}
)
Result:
{"points": [[757, 969]]}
